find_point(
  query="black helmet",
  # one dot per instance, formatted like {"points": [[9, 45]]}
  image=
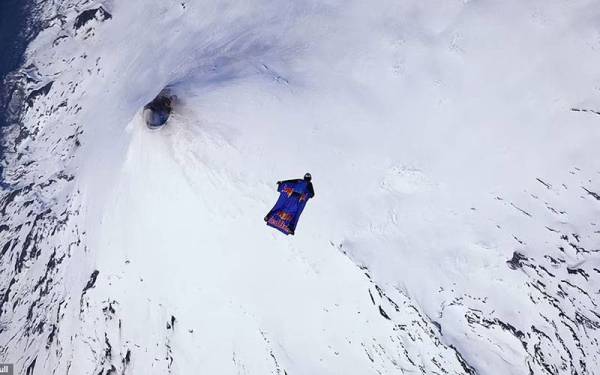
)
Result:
{"points": [[307, 176]]}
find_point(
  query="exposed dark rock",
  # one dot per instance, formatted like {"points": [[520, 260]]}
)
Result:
{"points": [[42, 91], [5, 248], [99, 14], [6, 295], [91, 282], [547, 185], [575, 271], [593, 194], [107, 348], [31, 367], [109, 310], [516, 261], [585, 110], [466, 367], [383, 313], [51, 336], [171, 324], [521, 210]]}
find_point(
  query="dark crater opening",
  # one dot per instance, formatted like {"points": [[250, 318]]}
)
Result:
{"points": [[157, 112]]}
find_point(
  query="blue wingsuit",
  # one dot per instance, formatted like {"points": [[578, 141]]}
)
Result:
{"points": [[292, 199]]}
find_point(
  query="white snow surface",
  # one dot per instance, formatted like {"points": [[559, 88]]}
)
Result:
{"points": [[444, 138]]}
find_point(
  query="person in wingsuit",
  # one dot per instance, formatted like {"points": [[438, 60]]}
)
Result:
{"points": [[292, 199]]}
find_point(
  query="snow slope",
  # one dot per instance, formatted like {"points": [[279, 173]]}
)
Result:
{"points": [[453, 151]]}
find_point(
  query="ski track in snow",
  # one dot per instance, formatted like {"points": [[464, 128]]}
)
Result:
{"points": [[455, 225]]}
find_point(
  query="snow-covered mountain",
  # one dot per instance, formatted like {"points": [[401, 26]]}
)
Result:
{"points": [[454, 153]]}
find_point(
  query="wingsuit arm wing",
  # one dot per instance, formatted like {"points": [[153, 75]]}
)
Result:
{"points": [[286, 181], [281, 183]]}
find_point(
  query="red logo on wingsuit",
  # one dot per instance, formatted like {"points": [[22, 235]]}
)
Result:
{"points": [[284, 216], [289, 191], [303, 197], [279, 224]]}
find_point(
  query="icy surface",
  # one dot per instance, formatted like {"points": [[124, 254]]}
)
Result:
{"points": [[454, 153]]}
